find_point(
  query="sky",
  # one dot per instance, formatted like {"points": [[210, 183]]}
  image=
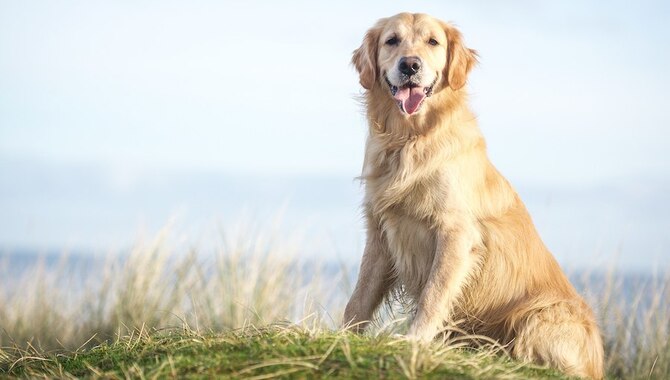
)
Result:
{"points": [[266, 87], [570, 94]]}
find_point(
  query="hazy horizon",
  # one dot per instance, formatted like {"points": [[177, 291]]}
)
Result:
{"points": [[90, 209]]}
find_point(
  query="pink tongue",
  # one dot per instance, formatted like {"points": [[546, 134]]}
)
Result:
{"points": [[410, 98]]}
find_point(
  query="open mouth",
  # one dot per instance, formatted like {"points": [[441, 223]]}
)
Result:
{"points": [[410, 96]]}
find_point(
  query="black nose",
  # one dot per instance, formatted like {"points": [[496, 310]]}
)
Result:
{"points": [[409, 65]]}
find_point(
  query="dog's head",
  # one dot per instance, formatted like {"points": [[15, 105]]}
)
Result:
{"points": [[412, 56]]}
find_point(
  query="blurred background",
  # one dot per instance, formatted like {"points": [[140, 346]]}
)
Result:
{"points": [[119, 118]]}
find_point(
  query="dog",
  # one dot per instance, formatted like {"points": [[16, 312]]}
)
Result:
{"points": [[444, 227]]}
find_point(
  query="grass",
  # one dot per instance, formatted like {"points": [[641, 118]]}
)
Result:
{"points": [[164, 312], [273, 351]]}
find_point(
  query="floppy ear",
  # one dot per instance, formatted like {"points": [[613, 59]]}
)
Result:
{"points": [[365, 57], [460, 59]]}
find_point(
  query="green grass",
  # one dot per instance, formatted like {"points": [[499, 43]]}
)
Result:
{"points": [[273, 351]]}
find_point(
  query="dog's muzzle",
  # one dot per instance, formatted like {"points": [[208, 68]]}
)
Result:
{"points": [[410, 96]]}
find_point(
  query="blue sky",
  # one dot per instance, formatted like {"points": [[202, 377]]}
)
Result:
{"points": [[566, 92]]}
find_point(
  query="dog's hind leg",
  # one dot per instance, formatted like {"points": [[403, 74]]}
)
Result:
{"points": [[564, 336]]}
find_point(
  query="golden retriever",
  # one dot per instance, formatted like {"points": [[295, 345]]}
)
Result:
{"points": [[443, 225]]}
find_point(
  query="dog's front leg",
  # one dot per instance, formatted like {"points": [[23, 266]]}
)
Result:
{"points": [[451, 267], [374, 281]]}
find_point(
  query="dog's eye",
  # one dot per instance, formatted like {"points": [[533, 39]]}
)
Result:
{"points": [[392, 41], [433, 42]]}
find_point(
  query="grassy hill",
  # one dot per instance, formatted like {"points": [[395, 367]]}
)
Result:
{"points": [[274, 351], [115, 318]]}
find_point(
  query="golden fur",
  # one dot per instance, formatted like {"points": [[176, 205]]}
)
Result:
{"points": [[443, 225]]}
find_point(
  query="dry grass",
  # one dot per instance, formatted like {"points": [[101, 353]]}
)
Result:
{"points": [[246, 281], [635, 316], [256, 281]]}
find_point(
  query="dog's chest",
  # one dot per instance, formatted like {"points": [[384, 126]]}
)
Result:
{"points": [[409, 214], [406, 185], [411, 194], [411, 243]]}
